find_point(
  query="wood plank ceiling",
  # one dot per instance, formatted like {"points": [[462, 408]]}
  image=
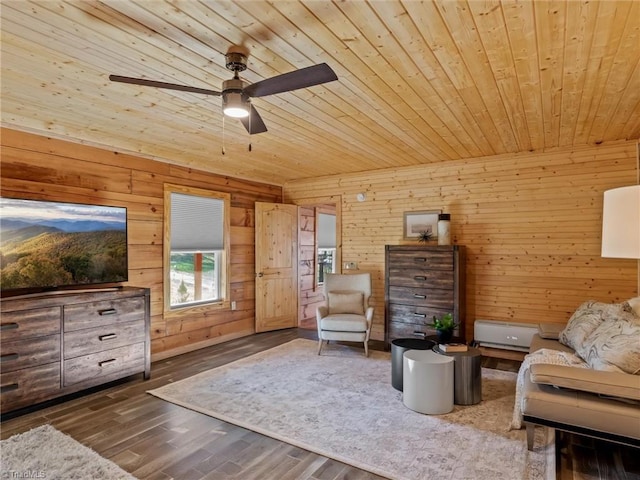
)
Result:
{"points": [[419, 81]]}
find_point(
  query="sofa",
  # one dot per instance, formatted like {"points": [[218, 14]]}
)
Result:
{"points": [[595, 389]]}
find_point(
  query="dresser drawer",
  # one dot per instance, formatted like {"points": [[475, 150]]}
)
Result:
{"points": [[420, 278], [29, 353], [29, 386], [414, 314], [38, 322], [106, 337], [104, 364], [423, 297], [434, 260], [408, 330], [95, 314]]}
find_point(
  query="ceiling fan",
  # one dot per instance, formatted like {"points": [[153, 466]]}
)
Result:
{"points": [[237, 94]]}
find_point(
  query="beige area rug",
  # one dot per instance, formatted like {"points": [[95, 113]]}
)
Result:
{"points": [[47, 453], [342, 405]]}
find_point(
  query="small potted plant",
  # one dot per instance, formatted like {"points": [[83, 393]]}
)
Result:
{"points": [[444, 327], [425, 237]]}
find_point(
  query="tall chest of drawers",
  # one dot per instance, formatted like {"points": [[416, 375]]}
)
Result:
{"points": [[53, 344], [420, 282]]}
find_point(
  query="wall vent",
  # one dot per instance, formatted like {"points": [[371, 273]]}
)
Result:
{"points": [[505, 335]]}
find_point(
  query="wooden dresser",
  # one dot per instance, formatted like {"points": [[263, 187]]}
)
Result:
{"points": [[420, 282], [57, 343]]}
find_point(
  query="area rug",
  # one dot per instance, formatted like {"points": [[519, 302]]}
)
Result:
{"points": [[341, 405], [47, 453]]}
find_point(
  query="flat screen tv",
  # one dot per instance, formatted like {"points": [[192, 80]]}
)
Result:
{"points": [[52, 245]]}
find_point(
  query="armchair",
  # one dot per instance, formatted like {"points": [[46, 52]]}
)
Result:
{"points": [[346, 315]]}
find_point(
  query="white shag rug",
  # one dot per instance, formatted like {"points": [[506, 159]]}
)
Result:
{"points": [[47, 453], [341, 405]]}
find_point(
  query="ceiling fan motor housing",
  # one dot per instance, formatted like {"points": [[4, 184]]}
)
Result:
{"points": [[236, 61]]}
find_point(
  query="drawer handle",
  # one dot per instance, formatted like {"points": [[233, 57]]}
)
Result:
{"points": [[416, 295], [420, 334], [109, 336], [8, 357], [108, 311], [9, 326], [8, 388], [106, 362], [420, 259], [420, 315], [419, 277]]}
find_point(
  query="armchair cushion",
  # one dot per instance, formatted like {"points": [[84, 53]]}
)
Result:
{"points": [[344, 322], [346, 302]]}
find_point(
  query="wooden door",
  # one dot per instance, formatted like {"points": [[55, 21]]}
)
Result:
{"points": [[276, 266]]}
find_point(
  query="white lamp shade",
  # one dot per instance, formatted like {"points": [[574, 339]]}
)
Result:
{"points": [[621, 223]]}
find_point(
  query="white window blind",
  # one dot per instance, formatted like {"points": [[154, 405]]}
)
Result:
{"points": [[197, 223], [326, 230]]}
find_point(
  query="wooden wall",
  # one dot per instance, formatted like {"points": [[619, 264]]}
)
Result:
{"points": [[43, 168], [531, 223]]}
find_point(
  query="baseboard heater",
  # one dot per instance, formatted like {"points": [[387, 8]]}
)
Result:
{"points": [[508, 336]]}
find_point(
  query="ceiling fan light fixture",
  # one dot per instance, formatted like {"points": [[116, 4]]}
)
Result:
{"points": [[234, 105]]}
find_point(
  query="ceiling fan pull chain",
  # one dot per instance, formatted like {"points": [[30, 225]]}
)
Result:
{"points": [[250, 115], [223, 152]]}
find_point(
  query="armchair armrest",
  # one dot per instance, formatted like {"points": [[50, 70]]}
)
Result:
{"points": [[369, 314], [613, 384], [321, 312]]}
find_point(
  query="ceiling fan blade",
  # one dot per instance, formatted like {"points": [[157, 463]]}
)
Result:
{"points": [[170, 86], [256, 123], [303, 78]]}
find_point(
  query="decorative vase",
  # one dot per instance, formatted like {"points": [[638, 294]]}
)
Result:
{"points": [[444, 336], [444, 230]]}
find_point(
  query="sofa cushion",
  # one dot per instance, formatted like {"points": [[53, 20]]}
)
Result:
{"points": [[346, 302], [612, 384]]}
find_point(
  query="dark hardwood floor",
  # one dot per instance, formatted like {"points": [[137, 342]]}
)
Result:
{"points": [[154, 439]]}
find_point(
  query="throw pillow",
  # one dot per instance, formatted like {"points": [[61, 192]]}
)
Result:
{"points": [[346, 302], [615, 344], [583, 322]]}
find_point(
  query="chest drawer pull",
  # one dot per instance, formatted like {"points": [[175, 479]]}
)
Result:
{"points": [[420, 259], [417, 295], [106, 362], [420, 334], [9, 326], [108, 311], [420, 315], [8, 388], [419, 277], [8, 357], [109, 336]]}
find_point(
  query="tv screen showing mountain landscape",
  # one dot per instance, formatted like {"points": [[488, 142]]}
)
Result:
{"points": [[45, 245]]}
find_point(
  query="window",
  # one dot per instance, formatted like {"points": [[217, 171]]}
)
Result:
{"points": [[196, 246]]}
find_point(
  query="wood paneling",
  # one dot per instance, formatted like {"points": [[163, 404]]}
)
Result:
{"points": [[44, 168], [531, 224], [419, 82]]}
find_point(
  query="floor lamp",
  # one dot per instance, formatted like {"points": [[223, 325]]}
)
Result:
{"points": [[621, 224]]}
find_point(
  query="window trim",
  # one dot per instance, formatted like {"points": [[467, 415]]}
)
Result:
{"points": [[224, 302]]}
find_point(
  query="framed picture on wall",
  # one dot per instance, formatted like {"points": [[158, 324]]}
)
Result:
{"points": [[417, 223]]}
